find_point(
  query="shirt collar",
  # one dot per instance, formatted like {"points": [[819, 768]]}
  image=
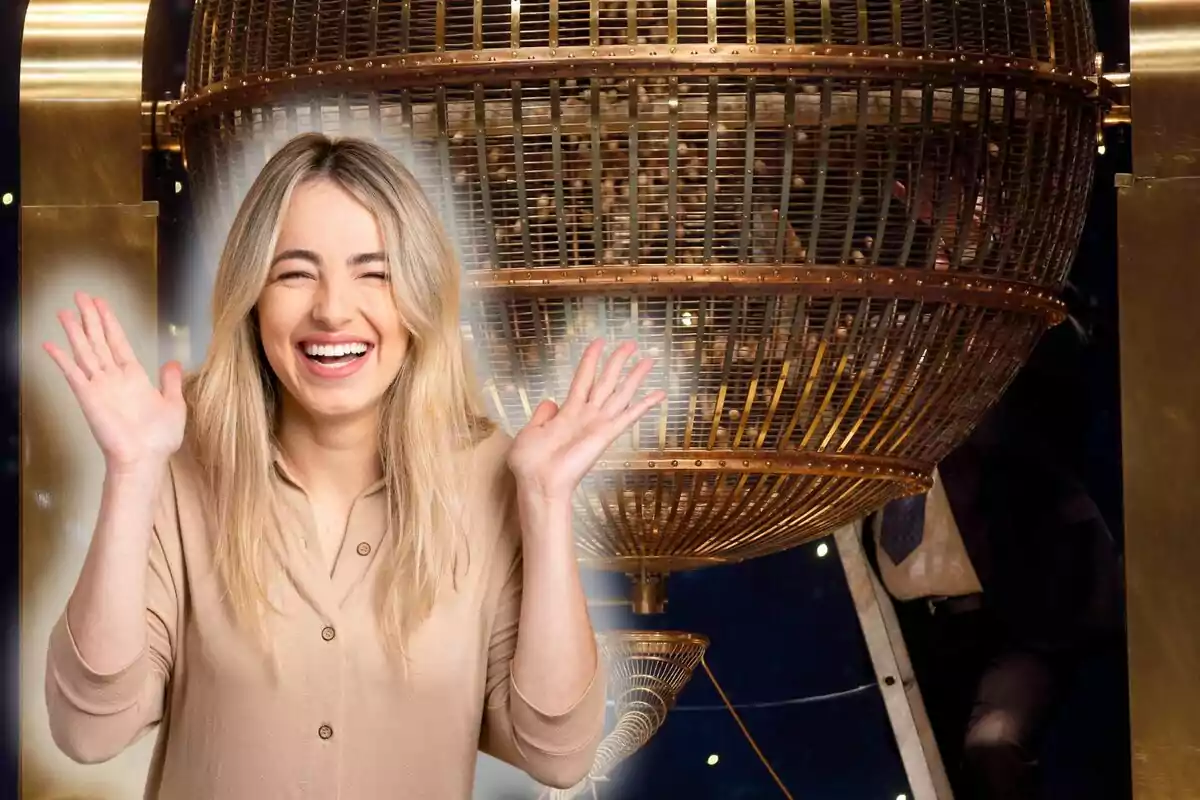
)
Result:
{"points": [[284, 473]]}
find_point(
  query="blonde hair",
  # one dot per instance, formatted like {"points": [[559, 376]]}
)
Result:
{"points": [[430, 412]]}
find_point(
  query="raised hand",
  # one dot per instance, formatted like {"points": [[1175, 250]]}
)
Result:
{"points": [[135, 423], [558, 446]]}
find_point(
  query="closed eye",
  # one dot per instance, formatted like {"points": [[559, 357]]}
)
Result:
{"points": [[379, 276], [293, 275]]}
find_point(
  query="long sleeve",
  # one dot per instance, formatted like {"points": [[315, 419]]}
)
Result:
{"points": [[554, 749], [95, 716]]}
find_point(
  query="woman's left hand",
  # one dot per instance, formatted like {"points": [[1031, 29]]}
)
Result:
{"points": [[559, 445]]}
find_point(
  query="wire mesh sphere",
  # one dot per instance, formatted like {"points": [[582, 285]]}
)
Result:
{"points": [[839, 227], [646, 672]]}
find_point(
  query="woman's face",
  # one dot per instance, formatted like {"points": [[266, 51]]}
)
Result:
{"points": [[329, 323]]}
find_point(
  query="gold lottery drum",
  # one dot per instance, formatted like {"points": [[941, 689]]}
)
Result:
{"points": [[838, 226]]}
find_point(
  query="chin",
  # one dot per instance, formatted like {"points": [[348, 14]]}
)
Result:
{"points": [[339, 408]]}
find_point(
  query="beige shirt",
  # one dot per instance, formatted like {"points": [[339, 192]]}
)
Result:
{"points": [[337, 720]]}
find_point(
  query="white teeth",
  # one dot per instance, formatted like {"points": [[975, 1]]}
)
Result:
{"points": [[336, 350]]}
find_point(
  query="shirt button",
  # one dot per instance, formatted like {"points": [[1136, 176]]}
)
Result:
{"points": [[327, 633], [364, 549], [325, 732]]}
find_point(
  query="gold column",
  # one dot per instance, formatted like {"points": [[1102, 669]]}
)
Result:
{"points": [[1158, 208], [84, 226]]}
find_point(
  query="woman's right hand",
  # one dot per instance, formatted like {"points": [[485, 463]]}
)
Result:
{"points": [[135, 423]]}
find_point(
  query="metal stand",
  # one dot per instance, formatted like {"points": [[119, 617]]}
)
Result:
{"points": [[901, 695]]}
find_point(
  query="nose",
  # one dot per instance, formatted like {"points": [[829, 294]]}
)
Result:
{"points": [[333, 304]]}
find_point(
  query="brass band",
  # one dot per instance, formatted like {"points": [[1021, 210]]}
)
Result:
{"points": [[541, 63], [823, 281]]}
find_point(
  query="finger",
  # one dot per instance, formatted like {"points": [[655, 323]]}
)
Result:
{"points": [[70, 369], [171, 381], [546, 411], [635, 412], [81, 348], [94, 330], [611, 374], [585, 375], [628, 388], [122, 353]]}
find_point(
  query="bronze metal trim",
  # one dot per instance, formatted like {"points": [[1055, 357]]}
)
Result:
{"points": [[770, 463], [673, 167], [818, 281], [714, 130], [160, 132], [782, 226], [500, 66], [811, 241], [556, 151], [485, 188], [634, 160], [748, 172], [655, 564], [655, 637]]}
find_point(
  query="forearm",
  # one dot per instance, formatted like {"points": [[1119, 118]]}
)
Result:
{"points": [[555, 657], [107, 609]]}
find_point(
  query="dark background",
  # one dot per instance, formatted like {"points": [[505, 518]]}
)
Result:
{"points": [[783, 628]]}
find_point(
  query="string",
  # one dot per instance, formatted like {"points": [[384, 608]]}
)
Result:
{"points": [[791, 701], [745, 731]]}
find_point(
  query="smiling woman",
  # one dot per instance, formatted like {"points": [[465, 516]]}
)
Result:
{"points": [[335, 244], [318, 569]]}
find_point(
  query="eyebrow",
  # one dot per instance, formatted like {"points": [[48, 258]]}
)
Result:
{"points": [[308, 255]]}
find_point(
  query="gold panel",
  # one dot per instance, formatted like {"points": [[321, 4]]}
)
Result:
{"points": [[1160, 379], [1164, 47], [107, 250], [84, 226], [81, 102], [1160, 362]]}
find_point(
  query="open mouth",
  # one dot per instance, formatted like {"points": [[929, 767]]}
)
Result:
{"points": [[335, 355]]}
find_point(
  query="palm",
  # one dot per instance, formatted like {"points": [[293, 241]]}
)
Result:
{"points": [[560, 445], [131, 419]]}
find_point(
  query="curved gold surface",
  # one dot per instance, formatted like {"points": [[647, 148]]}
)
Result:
{"points": [[1164, 50], [84, 225], [1160, 396], [414, 70], [81, 72], [827, 280]]}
